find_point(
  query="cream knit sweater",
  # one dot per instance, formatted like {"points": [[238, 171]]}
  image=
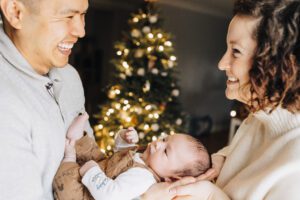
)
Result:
{"points": [[33, 123], [263, 160]]}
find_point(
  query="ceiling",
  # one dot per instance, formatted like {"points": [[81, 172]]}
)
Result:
{"points": [[220, 8]]}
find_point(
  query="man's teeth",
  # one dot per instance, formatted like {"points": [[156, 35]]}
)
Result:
{"points": [[65, 46], [232, 79]]}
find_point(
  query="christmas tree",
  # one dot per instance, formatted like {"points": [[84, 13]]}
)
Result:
{"points": [[144, 93]]}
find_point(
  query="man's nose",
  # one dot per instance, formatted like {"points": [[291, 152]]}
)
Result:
{"points": [[78, 27]]}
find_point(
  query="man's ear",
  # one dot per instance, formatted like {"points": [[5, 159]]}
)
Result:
{"points": [[13, 11]]}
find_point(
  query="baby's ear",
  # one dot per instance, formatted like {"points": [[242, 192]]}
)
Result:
{"points": [[172, 179]]}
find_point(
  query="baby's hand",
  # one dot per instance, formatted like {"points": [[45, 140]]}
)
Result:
{"points": [[76, 129], [87, 166], [130, 135], [70, 152]]}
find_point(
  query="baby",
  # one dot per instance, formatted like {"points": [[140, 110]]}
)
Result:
{"points": [[128, 173]]}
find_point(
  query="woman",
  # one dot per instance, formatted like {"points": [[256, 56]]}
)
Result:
{"points": [[262, 63]]}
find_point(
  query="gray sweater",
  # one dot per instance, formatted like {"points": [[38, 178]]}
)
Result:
{"points": [[33, 123]]}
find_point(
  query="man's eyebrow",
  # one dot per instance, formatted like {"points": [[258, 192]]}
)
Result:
{"points": [[72, 11]]}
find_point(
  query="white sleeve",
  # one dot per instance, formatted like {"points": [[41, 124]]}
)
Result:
{"points": [[120, 143], [128, 185], [20, 175]]}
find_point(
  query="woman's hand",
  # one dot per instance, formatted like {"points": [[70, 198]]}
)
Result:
{"points": [[213, 173], [165, 190], [201, 190]]}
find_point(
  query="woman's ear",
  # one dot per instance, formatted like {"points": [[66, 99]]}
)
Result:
{"points": [[13, 11]]}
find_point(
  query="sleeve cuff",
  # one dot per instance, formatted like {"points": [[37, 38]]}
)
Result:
{"points": [[94, 171]]}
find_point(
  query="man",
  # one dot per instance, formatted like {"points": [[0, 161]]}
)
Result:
{"points": [[40, 94]]}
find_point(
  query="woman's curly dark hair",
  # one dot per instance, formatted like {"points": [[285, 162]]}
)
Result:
{"points": [[275, 73]]}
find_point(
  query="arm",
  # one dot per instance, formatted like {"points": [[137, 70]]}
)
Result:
{"points": [[20, 175], [126, 186], [126, 138]]}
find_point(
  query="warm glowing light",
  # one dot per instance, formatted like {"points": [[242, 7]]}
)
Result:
{"points": [[111, 133], [168, 43], [118, 106], [102, 150], [148, 107], [172, 132], [135, 20], [125, 102], [156, 116], [128, 119], [150, 35], [100, 126], [159, 35], [146, 127], [108, 147], [106, 119], [144, 15], [126, 51], [119, 53], [173, 58], [117, 91], [111, 110], [149, 49], [161, 48], [125, 65], [233, 113], [154, 138], [150, 116]]}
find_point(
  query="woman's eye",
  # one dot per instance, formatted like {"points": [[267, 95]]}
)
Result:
{"points": [[235, 52], [166, 152]]}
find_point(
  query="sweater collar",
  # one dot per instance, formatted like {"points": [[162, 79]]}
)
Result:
{"points": [[279, 121]]}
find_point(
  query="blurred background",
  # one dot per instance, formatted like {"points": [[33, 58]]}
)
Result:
{"points": [[199, 28]]}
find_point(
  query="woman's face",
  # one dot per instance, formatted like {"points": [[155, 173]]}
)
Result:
{"points": [[237, 60]]}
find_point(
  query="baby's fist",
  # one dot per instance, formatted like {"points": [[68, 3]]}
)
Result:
{"points": [[129, 135]]}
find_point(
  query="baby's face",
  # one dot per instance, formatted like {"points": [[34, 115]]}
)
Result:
{"points": [[168, 155]]}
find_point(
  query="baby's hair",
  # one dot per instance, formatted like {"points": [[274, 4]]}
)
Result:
{"points": [[201, 164]]}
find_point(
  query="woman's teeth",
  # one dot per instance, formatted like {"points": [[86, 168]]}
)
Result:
{"points": [[232, 79]]}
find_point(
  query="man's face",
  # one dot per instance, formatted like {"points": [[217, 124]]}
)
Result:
{"points": [[169, 155], [47, 36]]}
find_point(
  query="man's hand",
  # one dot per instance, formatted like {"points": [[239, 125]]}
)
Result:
{"points": [[86, 167], [129, 135]]}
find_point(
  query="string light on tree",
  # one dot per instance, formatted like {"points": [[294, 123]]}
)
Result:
{"points": [[144, 92]]}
